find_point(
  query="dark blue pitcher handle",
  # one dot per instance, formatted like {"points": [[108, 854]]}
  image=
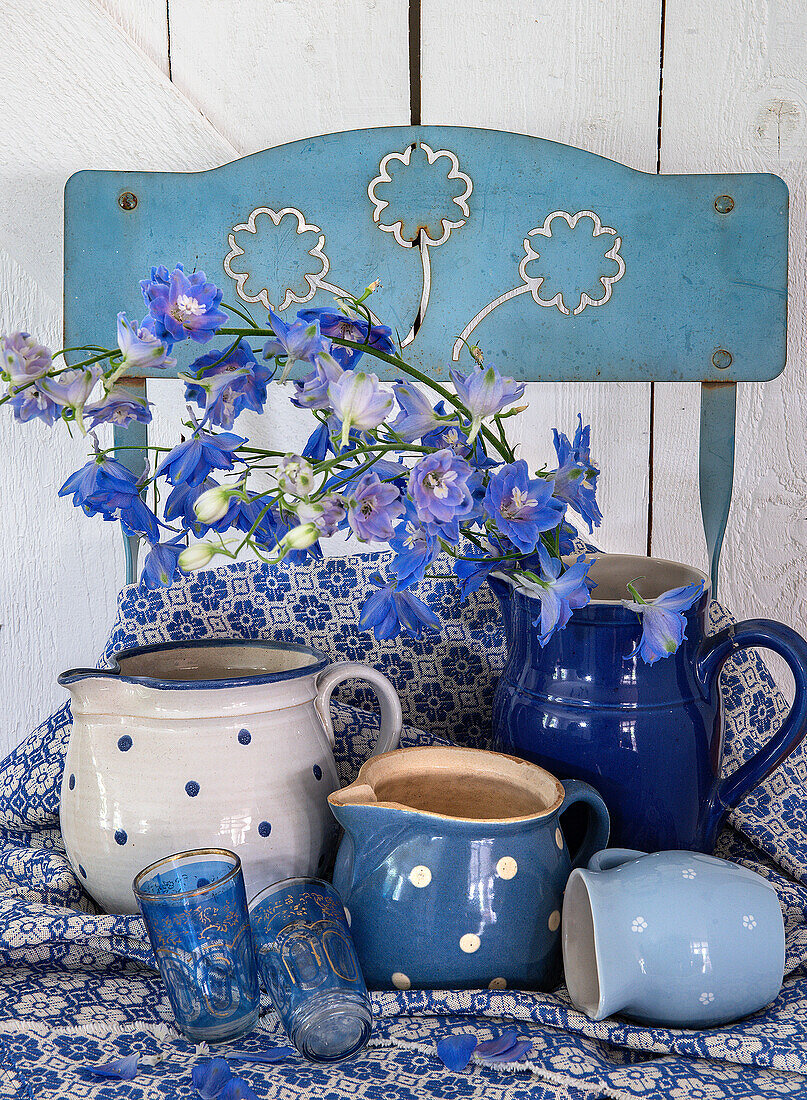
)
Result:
{"points": [[599, 822], [762, 634]]}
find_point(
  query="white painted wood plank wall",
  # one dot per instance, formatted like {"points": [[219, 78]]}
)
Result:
{"points": [[89, 83]]}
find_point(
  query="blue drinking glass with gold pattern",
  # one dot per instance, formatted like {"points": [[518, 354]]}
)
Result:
{"points": [[195, 910], [309, 967]]}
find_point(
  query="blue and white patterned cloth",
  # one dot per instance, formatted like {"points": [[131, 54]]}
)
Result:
{"points": [[76, 988]]}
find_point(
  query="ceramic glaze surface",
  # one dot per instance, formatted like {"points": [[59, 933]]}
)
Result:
{"points": [[677, 939], [453, 866], [221, 744], [648, 737]]}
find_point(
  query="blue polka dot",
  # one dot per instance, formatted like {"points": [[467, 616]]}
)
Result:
{"points": [[71, 781], [202, 882], [191, 788], [317, 771], [264, 828], [82, 872], [244, 737], [124, 743], [120, 837]]}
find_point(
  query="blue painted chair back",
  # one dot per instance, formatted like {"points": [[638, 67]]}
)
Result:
{"points": [[562, 265]]}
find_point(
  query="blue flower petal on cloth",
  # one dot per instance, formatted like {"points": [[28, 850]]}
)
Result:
{"points": [[514, 1054], [122, 1069], [455, 1050], [491, 1047], [237, 1089], [209, 1078], [270, 1056]]}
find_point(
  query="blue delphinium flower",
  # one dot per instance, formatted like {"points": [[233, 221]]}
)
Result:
{"points": [[522, 507], [311, 392], [181, 306], [456, 439], [485, 392], [559, 593], [358, 402], [298, 341], [119, 407], [161, 564], [663, 623], [33, 403], [417, 416], [415, 548], [576, 476], [473, 568], [226, 384], [102, 485], [388, 612], [140, 348], [373, 507], [438, 487], [179, 505], [22, 359], [191, 462], [122, 1069], [72, 389], [334, 323], [255, 513], [317, 444]]}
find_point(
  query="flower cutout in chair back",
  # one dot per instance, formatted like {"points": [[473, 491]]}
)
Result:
{"points": [[276, 257], [572, 261], [420, 196]]}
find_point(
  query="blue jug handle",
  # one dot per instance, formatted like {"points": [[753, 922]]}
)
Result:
{"points": [[599, 821], [714, 650]]}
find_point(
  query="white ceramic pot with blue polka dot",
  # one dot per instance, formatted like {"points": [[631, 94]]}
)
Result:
{"points": [[211, 744], [453, 865], [675, 939]]}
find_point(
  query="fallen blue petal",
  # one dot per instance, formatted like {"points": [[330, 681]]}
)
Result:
{"points": [[502, 1043], [209, 1078], [270, 1056], [514, 1054], [455, 1050], [123, 1069], [237, 1089]]}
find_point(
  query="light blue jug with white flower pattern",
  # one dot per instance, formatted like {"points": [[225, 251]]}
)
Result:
{"points": [[675, 939]]}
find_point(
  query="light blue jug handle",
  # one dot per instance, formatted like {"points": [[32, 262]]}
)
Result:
{"points": [[389, 733], [714, 651], [609, 858], [599, 821]]}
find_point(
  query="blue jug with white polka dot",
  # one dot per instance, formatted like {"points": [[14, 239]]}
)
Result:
{"points": [[453, 865]]}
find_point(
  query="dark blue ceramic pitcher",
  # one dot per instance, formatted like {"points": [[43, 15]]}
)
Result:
{"points": [[649, 738]]}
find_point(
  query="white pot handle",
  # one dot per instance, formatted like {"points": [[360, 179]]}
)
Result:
{"points": [[391, 716]]}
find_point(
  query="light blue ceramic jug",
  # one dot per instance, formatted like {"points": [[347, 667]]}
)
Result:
{"points": [[453, 865], [677, 939]]}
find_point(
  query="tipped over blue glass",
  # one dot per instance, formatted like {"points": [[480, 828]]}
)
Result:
{"points": [[195, 909], [309, 967]]}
